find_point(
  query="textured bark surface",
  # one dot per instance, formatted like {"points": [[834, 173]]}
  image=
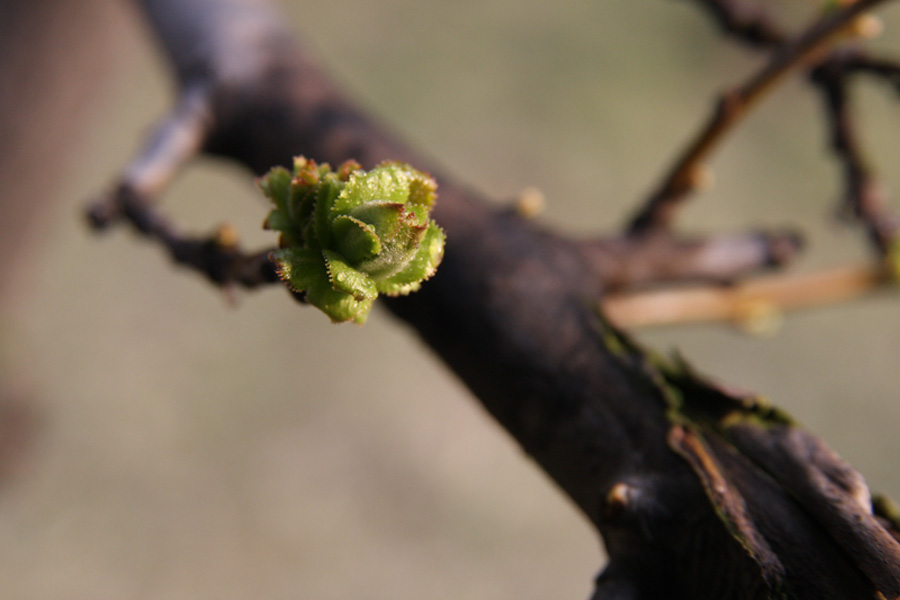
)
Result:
{"points": [[697, 493]]}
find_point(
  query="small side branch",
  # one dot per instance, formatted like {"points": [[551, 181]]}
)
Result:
{"points": [[217, 256], [864, 197], [174, 142], [882, 68], [688, 173], [508, 313], [628, 263], [744, 21], [753, 305]]}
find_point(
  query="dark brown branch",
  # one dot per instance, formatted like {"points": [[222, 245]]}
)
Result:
{"points": [[745, 21], [864, 197], [637, 442], [684, 177], [628, 263], [881, 68], [217, 256]]}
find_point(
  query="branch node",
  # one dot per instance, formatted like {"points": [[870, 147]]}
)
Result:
{"points": [[530, 203], [618, 501]]}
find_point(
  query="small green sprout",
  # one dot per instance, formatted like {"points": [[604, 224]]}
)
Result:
{"points": [[348, 235]]}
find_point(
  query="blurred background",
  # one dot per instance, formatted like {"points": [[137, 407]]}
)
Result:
{"points": [[158, 442]]}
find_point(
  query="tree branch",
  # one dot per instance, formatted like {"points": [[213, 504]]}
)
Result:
{"points": [[217, 256], [687, 174], [754, 305], [745, 21], [684, 480], [864, 197]]}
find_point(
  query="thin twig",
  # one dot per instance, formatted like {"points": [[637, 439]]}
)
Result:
{"points": [[624, 263], [176, 139], [217, 256], [749, 304], [747, 22], [886, 69], [734, 104], [506, 314], [863, 195]]}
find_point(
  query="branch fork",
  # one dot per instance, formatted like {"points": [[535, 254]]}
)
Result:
{"points": [[698, 494]]}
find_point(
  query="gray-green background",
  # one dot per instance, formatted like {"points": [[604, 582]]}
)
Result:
{"points": [[186, 448]]}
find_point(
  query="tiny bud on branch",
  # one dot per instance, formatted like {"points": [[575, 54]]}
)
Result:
{"points": [[349, 235]]}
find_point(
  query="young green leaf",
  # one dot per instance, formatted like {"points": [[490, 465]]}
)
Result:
{"points": [[348, 235]]}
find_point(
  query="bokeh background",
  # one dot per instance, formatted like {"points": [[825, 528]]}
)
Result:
{"points": [[158, 442]]}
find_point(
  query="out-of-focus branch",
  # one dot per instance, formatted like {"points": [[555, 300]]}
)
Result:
{"points": [[745, 21], [217, 256], [655, 261], [175, 140], [882, 68], [688, 172], [639, 443], [753, 305], [864, 197], [748, 302]]}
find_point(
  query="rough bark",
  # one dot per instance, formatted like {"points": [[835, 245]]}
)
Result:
{"points": [[696, 492]]}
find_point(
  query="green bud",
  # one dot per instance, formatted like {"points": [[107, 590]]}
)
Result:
{"points": [[348, 235]]}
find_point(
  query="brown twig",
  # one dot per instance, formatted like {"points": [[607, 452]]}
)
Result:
{"points": [[175, 140], [217, 256], [507, 312], [747, 22], [732, 106], [751, 304], [864, 197], [625, 263], [882, 68]]}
